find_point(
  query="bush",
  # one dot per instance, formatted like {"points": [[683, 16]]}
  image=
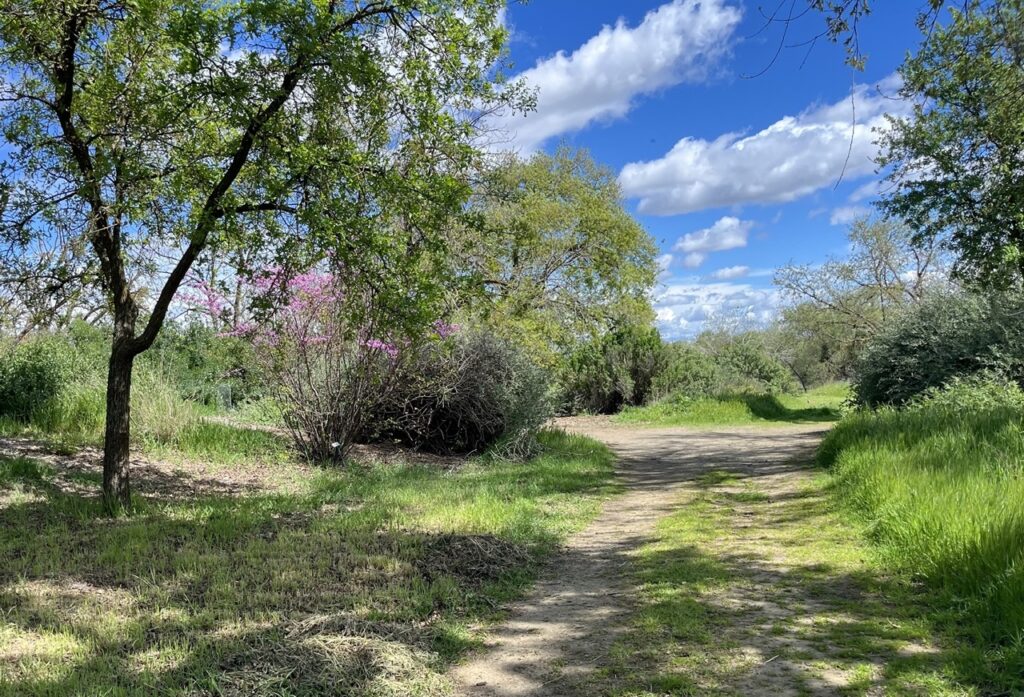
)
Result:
{"points": [[949, 335], [33, 374], [940, 487], [687, 372], [746, 364], [469, 393], [616, 370]]}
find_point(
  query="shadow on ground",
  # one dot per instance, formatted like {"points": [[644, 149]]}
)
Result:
{"points": [[208, 589]]}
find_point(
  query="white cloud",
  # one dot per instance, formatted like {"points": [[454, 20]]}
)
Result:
{"points": [[867, 190], [694, 259], [844, 215], [726, 233], [680, 41], [791, 158], [684, 308], [730, 273]]}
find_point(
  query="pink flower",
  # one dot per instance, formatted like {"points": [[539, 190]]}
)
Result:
{"points": [[444, 329], [377, 345]]}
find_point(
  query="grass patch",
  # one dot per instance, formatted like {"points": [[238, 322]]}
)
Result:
{"points": [[364, 581], [822, 404], [746, 590], [940, 490]]}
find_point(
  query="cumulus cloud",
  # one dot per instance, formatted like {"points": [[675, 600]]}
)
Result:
{"points": [[727, 233], [844, 215], [678, 42], [791, 158], [730, 273], [683, 309]]}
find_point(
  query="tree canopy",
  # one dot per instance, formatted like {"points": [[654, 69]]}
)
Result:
{"points": [[957, 163], [557, 256], [142, 132]]}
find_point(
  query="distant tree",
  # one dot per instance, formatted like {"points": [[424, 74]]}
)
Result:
{"points": [[957, 165], [815, 343], [557, 255], [884, 272], [146, 132]]}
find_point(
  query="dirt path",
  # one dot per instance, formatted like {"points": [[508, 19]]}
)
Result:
{"points": [[559, 634]]}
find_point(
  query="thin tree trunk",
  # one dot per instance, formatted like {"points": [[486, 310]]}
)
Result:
{"points": [[116, 491]]}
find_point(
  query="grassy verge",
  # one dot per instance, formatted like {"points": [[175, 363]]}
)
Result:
{"points": [[821, 404], [940, 490], [362, 582], [765, 588]]}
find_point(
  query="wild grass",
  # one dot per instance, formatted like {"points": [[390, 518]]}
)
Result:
{"points": [[821, 404], [360, 582], [940, 489], [163, 425], [741, 577]]}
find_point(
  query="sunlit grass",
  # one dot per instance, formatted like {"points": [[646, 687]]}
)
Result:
{"points": [[941, 491], [739, 577], [362, 581], [822, 404]]}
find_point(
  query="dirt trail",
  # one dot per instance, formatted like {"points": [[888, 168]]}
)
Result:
{"points": [[562, 631]]}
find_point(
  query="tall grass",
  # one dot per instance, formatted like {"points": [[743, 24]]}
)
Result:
{"points": [[163, 424], [940, 487]]}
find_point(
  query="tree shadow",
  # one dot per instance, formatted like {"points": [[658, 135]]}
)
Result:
{"points": [[770, 408], [334, 590]]}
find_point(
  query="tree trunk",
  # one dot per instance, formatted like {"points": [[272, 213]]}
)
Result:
{"points": [[116, 492]]}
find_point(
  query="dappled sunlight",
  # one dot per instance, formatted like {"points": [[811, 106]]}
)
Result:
{"points": [[364, 581], [756, 585]]}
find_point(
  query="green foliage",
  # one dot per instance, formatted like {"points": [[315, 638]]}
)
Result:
{"points": [[949, 335], [617, 369], [956, 168], [557, 256], [746, 362], [299, 130], [839, 306], [686, 371], [33, 375], [218, 371], [940, 487]]}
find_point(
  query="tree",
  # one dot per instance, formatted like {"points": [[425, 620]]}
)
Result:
{"points": [[814, 343], [150, 131], [956, 161], [557, 255], [885, 272]]}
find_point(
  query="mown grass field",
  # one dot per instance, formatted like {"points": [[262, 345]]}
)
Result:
{"points": [[822, 404], [277, 580]]}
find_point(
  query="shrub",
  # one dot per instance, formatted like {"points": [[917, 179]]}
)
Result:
{"points": [[948, 335], [613, 371], [687, 372], [747, 364], [472, 392], [33, 374]]}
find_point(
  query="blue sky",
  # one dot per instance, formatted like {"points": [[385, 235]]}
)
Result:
{"points": [[731, 168]]}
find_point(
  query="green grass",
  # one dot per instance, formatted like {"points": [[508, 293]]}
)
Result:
{"points": [[940, 489], [821, 404], [740, 577], [366, 581]]}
